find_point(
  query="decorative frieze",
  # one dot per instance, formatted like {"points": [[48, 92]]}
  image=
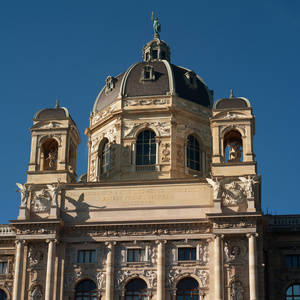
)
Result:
{"points": [[144, 102], [103, 114], [163, 128]]}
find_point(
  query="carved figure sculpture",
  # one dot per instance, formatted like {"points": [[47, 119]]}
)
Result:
{"points": [[156, 24], [36, 294], [216, 186], [249, 183], [100, 280], [52, 156], [24, 190], [237, 290], [54, 189], [235, 152]]}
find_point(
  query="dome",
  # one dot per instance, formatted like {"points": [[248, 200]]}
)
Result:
{"points": [[154, 76], [52, 113], [232, 102]]}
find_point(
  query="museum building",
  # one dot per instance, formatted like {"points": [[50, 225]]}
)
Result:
{"points": [[170, 208]]}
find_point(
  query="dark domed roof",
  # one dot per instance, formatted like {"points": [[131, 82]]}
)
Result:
{"points": [[52, 113], [232, 102], [167, 79]]}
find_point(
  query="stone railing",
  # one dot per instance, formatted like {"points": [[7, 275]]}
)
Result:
{"points": [[285, 221], [5, 230]]}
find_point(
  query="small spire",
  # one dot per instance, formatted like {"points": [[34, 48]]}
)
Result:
{"points": [[57, 104], [231, 94]]}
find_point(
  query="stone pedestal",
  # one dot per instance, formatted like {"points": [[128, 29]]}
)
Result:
{"points": [[218, 205], [54, 212], [251, 205], [24, 213]]}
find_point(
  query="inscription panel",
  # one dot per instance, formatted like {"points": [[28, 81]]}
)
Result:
{"points": [[183, 195]]}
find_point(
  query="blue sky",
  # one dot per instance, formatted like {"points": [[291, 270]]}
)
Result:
{"points": [[65, 50]]}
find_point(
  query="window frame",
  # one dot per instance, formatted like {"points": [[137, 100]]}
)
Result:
{"points": [[132, 294], [92, 258], [82, 294], [183, 293], [292, 296], [294, 260], [3, 267], [187, 251], [144, 144]]}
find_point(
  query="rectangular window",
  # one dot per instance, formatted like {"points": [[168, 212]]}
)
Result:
{"points": [[135, 255], [187, 254], [293, 261], [154, 53], [87, 256], [3, 267]]}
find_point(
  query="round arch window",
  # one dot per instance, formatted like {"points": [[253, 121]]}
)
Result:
{"points": [[187, 289], [136, 289], [86, 290], [293, 292], [3, 295]]}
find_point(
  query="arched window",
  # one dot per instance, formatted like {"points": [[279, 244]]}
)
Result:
{"points": [[86, 290], [136, 289], [193, 153], [187, 289], [233, 146], [293, 292], [3, 295], [146, 148], [50, 149]]}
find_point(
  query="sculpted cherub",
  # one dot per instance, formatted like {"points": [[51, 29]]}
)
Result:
{"points": [[24, 190], [217, 186], [249, 183]]}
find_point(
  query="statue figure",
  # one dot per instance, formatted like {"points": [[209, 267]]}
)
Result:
{"points": [[249, 183], [52, 156], [54, 189], [100, 280], [235, 152], [156, 24], [24, 190], [236, 291], [216, 186], [36, 294]]}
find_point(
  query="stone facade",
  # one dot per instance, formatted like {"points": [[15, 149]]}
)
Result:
{"points": [[171, 200]]}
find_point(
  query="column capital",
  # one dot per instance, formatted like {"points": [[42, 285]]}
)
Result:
{"points": [[17, 242], [254, 234], [112, 243], [218, 235], [48, 241], [160, 242]]}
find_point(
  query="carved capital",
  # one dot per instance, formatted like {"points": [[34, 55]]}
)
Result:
{"points": [[160, 242], [218, 235], [48, 241], [17, 242], [110, 243], [248, 235]]}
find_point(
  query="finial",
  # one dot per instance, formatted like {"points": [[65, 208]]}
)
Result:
{"points": [[156, 26], [57, 104], [231, 94]]}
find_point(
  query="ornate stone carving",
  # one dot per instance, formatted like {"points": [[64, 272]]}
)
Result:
{"points": [[174, 275], [146, 102], [179, 157], [126, 154], [69, 280], [162, 127], [183, 129], [103, 114], [203, 254], [49, 136], [36, 294], [248, 184], [36, 254], [93, 168], [101, 280], [235, 224], [41, 201], [166, 152], [50, 125], [194, 108], [217, 186], [24, 190], [54, 189], [121, 276], [102, 252], [236, 291], [235, 250], [233, 194], [232, 116], [225, 128]]}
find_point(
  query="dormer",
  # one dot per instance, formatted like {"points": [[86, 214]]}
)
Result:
{"points": [[156, 50], [110, 84]]}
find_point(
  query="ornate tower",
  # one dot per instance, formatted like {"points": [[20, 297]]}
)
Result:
{"points": [[54, 143]]}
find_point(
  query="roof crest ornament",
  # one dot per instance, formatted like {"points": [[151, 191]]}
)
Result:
{"points": [[57, 104], [231, 94], [156, 26]]}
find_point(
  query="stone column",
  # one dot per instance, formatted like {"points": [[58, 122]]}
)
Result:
{"points": [[109, 288], [18, 270], [50, 269], [252, 266], [218, 267], [160, 270]]}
